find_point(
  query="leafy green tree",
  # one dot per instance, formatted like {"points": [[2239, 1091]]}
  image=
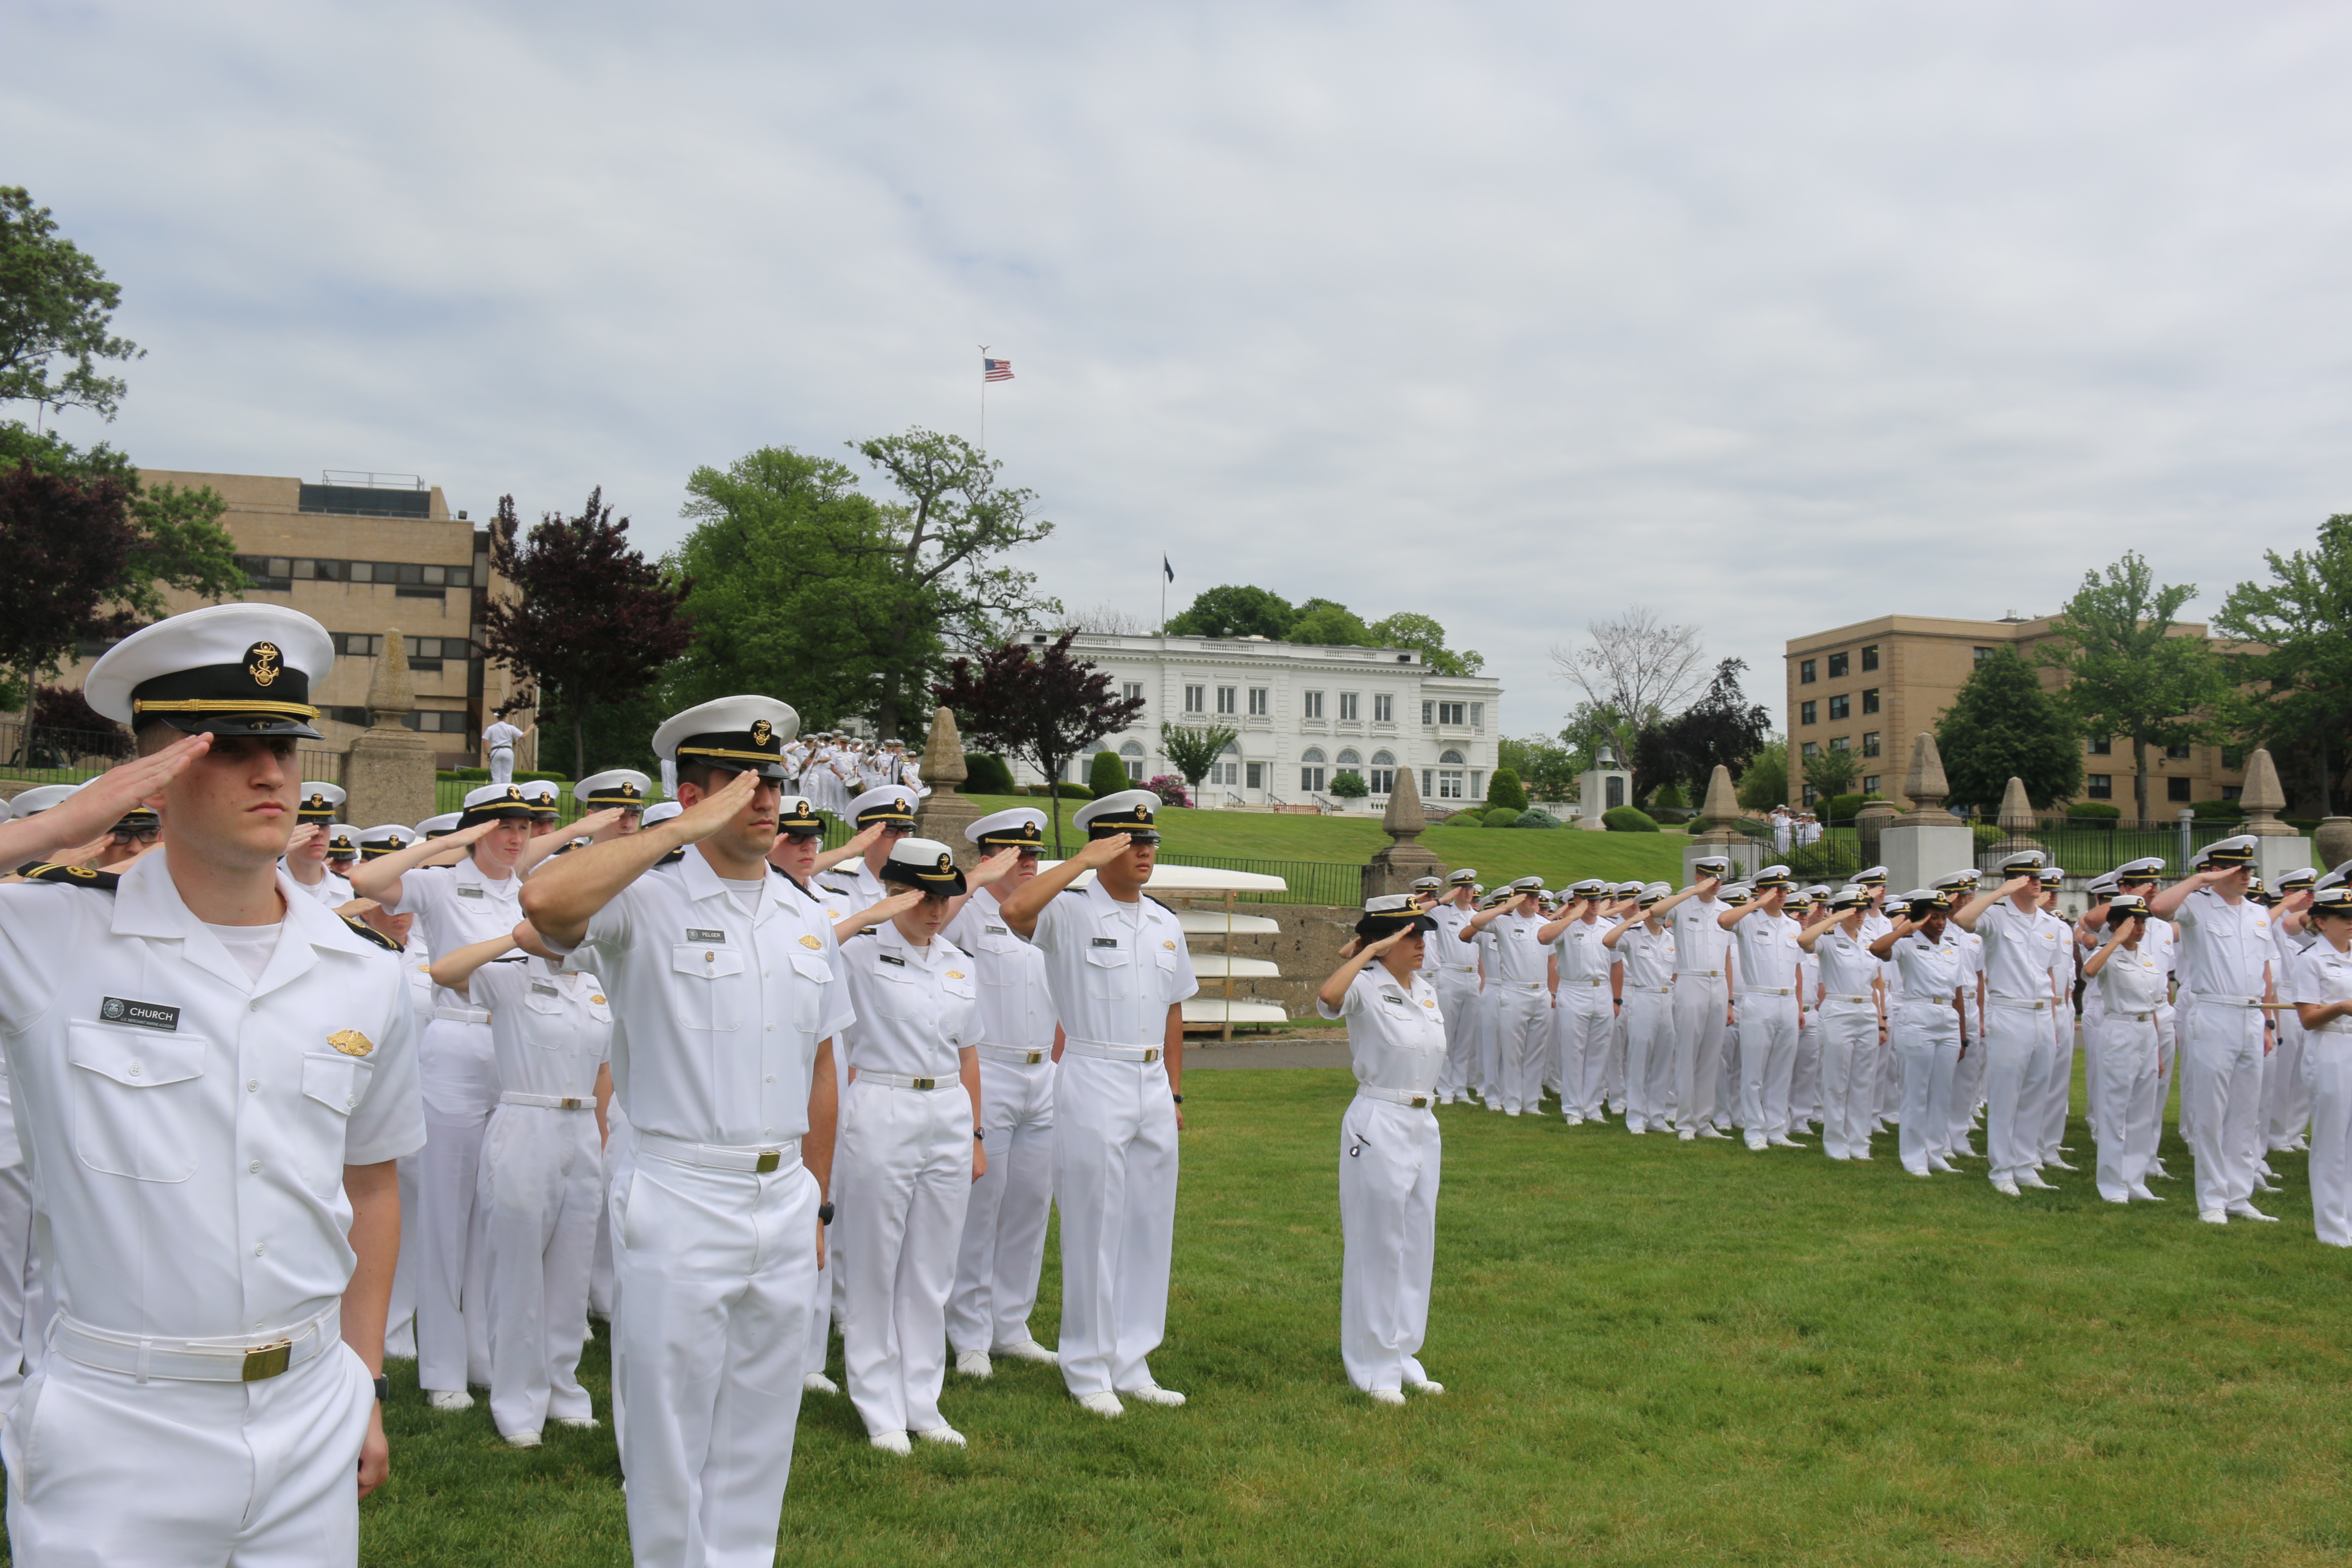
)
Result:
{"points": [[1829, 771], [1107, 775], [179, 542], [1765, 784], [1233, 610], [1194, 749], [2297, 696], [2128, 673], [1037, 703], [1543, 764], [1330, 624], [55, 305], [64, 546], [1721, 727], [2003, 725], [1406, 629], [1503, 789]]}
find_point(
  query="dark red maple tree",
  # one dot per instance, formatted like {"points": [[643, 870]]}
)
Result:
{"points": [[65, 548], [1037, 703], [593, 621]]}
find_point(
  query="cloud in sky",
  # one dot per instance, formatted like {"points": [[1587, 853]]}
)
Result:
{"points": [[1772, 317]]}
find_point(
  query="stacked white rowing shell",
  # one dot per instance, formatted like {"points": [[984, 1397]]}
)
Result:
{"points": [[1208, 928]]}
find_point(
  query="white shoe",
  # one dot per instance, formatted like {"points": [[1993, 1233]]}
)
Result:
{"points": [[1864, 1155], [2267, 1187], [1943, 1166], [1785, 1142], [2005, 1187], [2156, 1173], [945, 1436], [579, 1422], [1712, 1132], [2144, 1195], [2212, 1216], [449, 1399], [522, 1440], [1687, 1136], [2245, 1210], [1426, 1386], [1152, 1394], [1636, 1128], [1028, 1350], [1385, 1396], [2057, 1165], [974, 1364], [2033, 1179], [891, 1443], [1573, 1120], [1909, 1172], [817, 1382], [1756, 1145], [1967, 1150], [1103, 1405]]}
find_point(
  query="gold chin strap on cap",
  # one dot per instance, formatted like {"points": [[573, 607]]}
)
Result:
{"points": [[224, 705], [723, 752]]}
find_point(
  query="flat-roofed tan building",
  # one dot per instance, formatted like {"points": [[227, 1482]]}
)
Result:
{"points": [[1871, 686], [362, 556]]}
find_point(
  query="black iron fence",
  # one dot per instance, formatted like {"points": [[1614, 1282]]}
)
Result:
{"points": [[44, 755]]}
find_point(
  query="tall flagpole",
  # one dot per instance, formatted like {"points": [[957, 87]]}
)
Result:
{"points": [[983, 397]]}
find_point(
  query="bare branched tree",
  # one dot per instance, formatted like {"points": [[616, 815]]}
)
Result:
{"points": [[1634, 672], [1109, 620]]}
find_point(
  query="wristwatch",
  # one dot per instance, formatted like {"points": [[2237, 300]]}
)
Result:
{"points": [[382, 1389], [825, 1212]]}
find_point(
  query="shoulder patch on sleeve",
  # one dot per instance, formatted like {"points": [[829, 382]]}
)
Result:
{"points": [[369, 934], [69, 875]]}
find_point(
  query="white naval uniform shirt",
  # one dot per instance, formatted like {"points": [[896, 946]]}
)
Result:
{"points": [[500, 737], [2225, 947], [189, 1124], [917, 1006], [1016, 1009], [1583, 960], [551, 1030], [1700, 942], [1874, 924], [1767, 952], [457, 906], [1847, 967], [2323, 975], [718, 1012], [1518, 958], [2131, 983], [1113, 969], [2020, 951], [1931, 971], [332, 889], [1649, 957], [1396, 1033], [1443, 944]]}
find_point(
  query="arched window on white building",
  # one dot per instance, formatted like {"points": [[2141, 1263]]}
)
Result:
{"points": [[1226, 770], [1447, 778], [1310, 770], [1349, 760], [1131, 754], [1383, 774]]}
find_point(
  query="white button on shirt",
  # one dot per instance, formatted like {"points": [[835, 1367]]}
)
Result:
{"points": [[551, 1031], [151, 1075], [1113, 969], [1396, 1033], [917, 1006], [1016, 1011], [456, 906], [718, 1012]]}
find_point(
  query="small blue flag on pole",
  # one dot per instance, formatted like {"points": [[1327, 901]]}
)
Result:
{"points": [[1170, 570]]}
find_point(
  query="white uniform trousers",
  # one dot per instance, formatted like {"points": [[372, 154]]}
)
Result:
{"points": [[1490, 1061], [2130, 1096], [1927, 1038], [1458, 998], [717, 1275], [459, 1070], [1698, 1048], [23, 1329], [1613, 1081], [1389, 1158], [543, 1193], [908, 1151], [2017, 1071], [1587, 1023], [1003, 1247], [1767, 1064], [1849, 1031], [1114, 1176], [2058, 1088], [1522, 1039], [620, 1164], [1805, 1082], [400, 1318], [1727, 1112], [1968, 1080], [2222, 1101], [1890, 1067], [1649, 1056], [2327, 1064], [2286, 1085], [2094, 1033], [105, 1470], [501, 764]]}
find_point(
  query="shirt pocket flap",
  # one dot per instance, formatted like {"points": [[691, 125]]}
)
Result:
{"points": [[812, 966], [540, 1001], [959, 986], [336, 1082], [709, 963], [136, 1058], [1107, 957]]}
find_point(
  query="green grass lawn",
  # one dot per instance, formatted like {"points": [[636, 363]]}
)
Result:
{"points": [[1655, 1353]]}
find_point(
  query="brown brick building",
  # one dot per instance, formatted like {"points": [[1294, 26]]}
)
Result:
{"points": [[1869, 687]]}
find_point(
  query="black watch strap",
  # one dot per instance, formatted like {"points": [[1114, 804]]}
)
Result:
{"points": [[825, 1212], [382, 1389], [1177, 1098]]}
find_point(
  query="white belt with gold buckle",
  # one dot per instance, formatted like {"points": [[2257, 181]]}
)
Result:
{"points": [[199, 1361]]}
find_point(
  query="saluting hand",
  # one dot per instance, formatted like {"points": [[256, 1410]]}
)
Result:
{"points": [[866, 837], [91, 811], [713, 811], [1097, 853], [304, 836], [993, 867], [595, 824]]}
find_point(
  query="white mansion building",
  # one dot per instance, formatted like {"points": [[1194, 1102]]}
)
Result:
{"points": [[1303, 713]]}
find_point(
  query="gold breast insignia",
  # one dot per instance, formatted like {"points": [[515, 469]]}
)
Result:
{"points": [[350, 1042]]}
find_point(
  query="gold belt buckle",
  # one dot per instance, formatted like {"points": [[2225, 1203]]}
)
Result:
{"points": [[768, 1160], [1419, 1101], [267, 1360], [1036, 1056], [568, 1102], [925, 1083], [1151, 1053]]}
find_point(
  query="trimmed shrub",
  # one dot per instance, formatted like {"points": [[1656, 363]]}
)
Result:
{"points": [[1987, 835], [1536, 817], [1826, 860], [1628, 820], [985, 773], [1349, 785], [1067, 791], [1107, 775], [2095, 812], [1503, 789], [1668, 793], [1501, 817], [2215, 810]]}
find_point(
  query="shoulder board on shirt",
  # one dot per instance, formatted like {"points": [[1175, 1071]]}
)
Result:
{"points": [[369, 934], [69, 875], [673, 858], [845, 892], [1149, 900]]}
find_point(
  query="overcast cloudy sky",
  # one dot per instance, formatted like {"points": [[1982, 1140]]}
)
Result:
{"points": [[1770, 316]]}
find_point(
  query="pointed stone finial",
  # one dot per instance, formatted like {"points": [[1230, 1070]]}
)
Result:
{"points": [[1721, 808], [1925, 784], [2016, 811], [946, 812], [1405, 820], [2263, 797], [943, 764], [390, 694]]}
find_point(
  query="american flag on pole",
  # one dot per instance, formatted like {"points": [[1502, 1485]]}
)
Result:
{"points": [[996, 370]]}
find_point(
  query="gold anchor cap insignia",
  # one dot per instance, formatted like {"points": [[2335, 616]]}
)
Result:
{"points": [[262, 661], [760, 731]]}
